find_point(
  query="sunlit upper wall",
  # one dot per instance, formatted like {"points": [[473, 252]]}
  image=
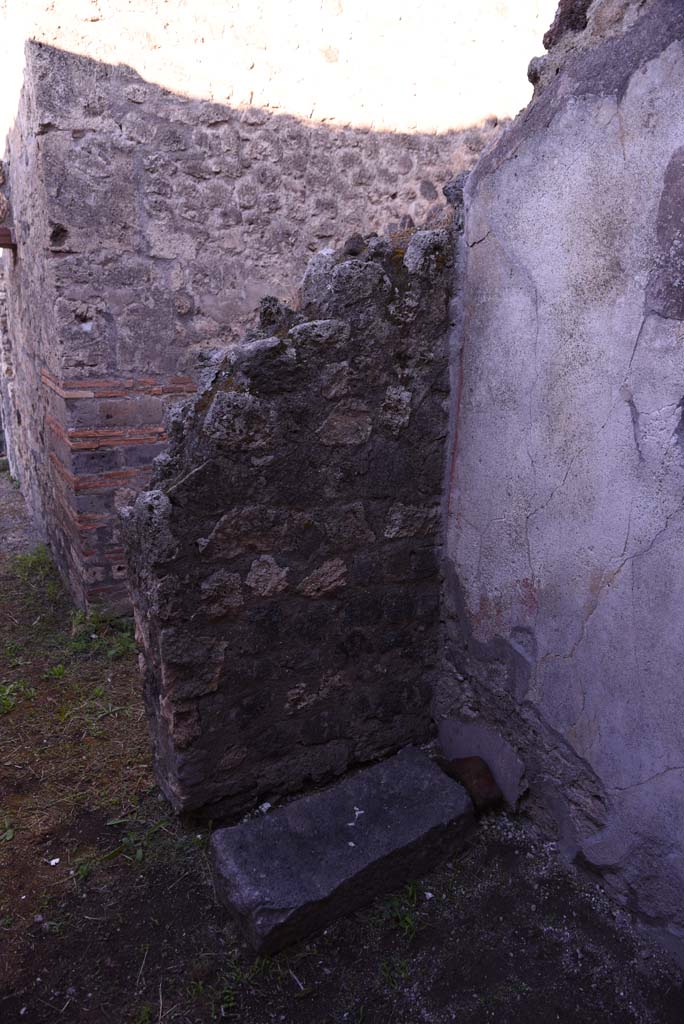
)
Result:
{"points": [[397, 65]]}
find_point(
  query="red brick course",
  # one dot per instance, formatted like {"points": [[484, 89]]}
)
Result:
{"points": [[84, 500]]}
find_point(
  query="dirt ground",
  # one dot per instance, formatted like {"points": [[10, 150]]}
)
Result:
{"points": [[107, 912]]}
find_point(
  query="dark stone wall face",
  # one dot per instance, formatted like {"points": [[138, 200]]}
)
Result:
{"points": [[285, 568]]}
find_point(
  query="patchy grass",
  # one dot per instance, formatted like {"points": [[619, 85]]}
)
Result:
{"points": [[107, 909], [11, 693], [98, 634], [73, 738]]}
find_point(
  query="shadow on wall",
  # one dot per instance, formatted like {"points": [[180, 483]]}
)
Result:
{"points": [[149, 225]]}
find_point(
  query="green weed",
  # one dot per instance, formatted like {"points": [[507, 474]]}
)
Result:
{"points": [[236, 976], [394, 972], [227, 998], [14, 654], [98, 634], [400, 910], [196, 989], [12, 693], [83, 870], [36, 566], [91, 711], [37, 570], [134, 843]]}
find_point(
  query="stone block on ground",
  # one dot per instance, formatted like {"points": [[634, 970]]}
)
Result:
{"points": [[291, 873]]}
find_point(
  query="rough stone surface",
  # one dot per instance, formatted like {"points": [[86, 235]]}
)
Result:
{"points": [[294, 871], [565, 521], [149, 226], [571, 16], [16, 529], [5, 364], [466, 740], [285, 567]]}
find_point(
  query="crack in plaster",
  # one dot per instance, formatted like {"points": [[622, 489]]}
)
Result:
{"points": [[660, 409], [617, 116], [635, 649], [629, 527], [636, 341], [607, 580], [533, 387], [581, 451], [634, 413], [650, 778], [648, 313], [471, 245]]}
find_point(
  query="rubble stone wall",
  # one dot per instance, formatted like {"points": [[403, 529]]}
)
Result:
{"points": [[285, 565], [5, 357], [29, 336], [149, 225]]}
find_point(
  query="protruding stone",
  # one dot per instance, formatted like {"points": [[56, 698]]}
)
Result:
{"points": [[409, 521], [293, 872], [266, 577], [427, 250], [460, 740], [396, 409], [328, 577], [222, 592], [571, 16]]}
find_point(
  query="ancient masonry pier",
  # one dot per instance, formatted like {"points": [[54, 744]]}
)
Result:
{"points": [[284, 567]]}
